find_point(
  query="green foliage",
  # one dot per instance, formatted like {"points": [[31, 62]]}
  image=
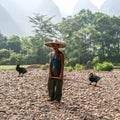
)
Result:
{"points": [[12, 59], [43, 26], [92, 63], [15, 46], [4, 53], [30, 59], [69, 68], [3, 42], [79, 67], [87, 35], [16, 57], [70, 62], [91, 37], [95, 60], [105, 66], [43, 67], [4, 61], [89, 64]]}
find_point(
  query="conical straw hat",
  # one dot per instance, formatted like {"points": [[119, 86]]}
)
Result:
{"points": [[51, 44]]}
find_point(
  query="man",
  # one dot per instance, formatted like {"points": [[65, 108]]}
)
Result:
{"points": [[56, 68]]}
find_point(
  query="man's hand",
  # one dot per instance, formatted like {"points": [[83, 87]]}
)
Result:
{"points": [[50, 76], [61, 77]]}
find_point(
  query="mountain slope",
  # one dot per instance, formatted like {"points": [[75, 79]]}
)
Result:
{"points": [[111, 7], [48, 7], [21, 10], [84, 4], [7, 25]]}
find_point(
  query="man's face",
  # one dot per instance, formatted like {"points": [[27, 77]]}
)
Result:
{"points": [[55, 47]]}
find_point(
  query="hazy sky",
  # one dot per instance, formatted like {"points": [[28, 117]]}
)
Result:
{"points": [[68, 5]]}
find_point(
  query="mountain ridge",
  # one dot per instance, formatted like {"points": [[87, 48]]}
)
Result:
{"points": [[111, 7], [84, 4]]}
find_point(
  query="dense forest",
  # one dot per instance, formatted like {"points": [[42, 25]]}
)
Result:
{"points": [[86, 35]]}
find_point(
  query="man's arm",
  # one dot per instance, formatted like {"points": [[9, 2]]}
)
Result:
{"points": [[62, 65], [50, 68]]}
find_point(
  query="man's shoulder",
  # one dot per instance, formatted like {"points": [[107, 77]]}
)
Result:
{"points": [[60, 52]]}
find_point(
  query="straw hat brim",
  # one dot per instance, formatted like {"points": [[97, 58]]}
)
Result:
{"points": [[50, 44]]}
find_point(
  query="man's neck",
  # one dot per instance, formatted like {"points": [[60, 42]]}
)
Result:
{"points": [[56, 51]]}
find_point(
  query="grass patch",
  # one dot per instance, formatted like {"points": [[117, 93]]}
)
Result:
{"points": [[10, 67], [116, 67]]}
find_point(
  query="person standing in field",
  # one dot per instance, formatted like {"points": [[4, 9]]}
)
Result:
{"points": [[56, 69]]}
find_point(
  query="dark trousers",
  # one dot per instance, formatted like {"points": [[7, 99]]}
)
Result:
{"points": [[55, 89]]}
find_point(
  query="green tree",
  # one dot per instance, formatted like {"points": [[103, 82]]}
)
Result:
{"points": [[43, 27], [88, 35], [4, 53], [3, 41], [45, 31], [105, 40], [77, 34], [14, 43]]}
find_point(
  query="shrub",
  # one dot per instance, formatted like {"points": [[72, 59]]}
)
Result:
{"points": [[105, 66], [47, 65], [43, 67], [98, 67], [69, 69], [108, 66], [79, 67]]}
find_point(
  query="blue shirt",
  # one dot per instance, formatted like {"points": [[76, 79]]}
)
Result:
{"points": [[56, 60]]}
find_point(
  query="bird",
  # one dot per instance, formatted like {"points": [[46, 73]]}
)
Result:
{"points": [[93, 78], [21, 70]]}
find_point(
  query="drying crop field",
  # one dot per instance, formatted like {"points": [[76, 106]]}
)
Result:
{"points": [[25, 98]]}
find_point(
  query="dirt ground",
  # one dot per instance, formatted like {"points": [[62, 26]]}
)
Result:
{"points": [[25, 98]]}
